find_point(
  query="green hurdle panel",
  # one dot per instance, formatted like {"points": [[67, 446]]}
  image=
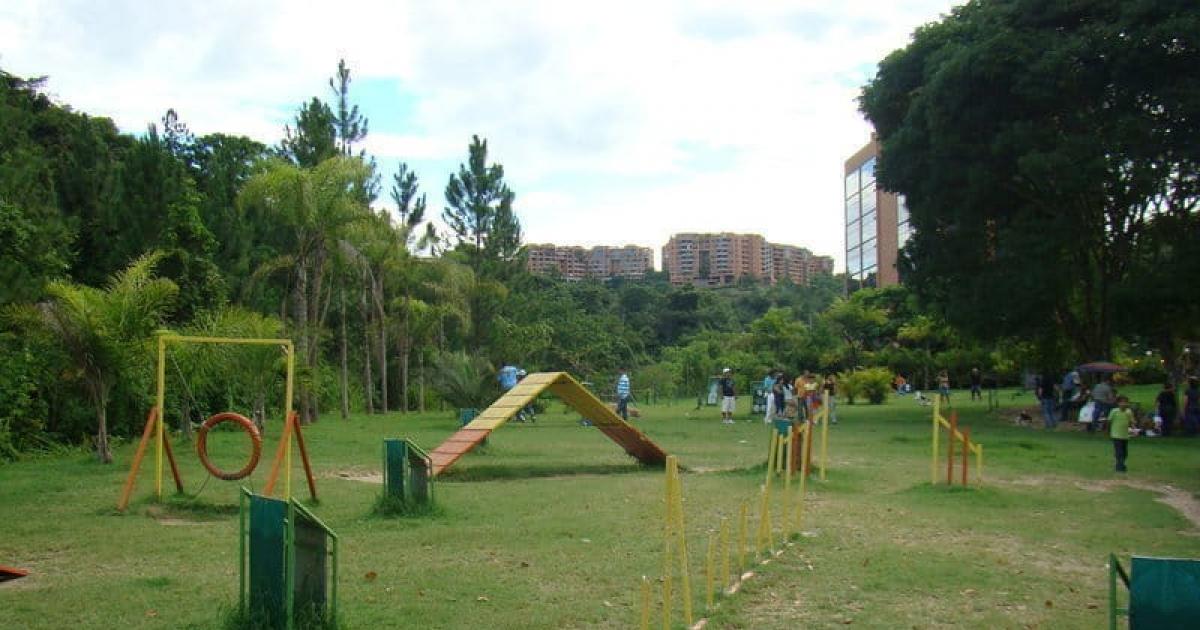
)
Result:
{"points": [[407, 471], [287, 563], [1163, 592]]}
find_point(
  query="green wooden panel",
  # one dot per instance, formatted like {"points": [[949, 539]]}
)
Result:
{"points": [[267, 517], [1164, 593], [310, 571], [395, 462]]}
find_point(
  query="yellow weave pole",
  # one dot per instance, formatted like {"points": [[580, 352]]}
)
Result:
{"points": [[709, 577], [781, 447], [771, 457], [805, 434], [645, 625], [725, 551], [787, 484], [824, 432], [978, 463], [742, 540], [668, 513], [764, 520], [160, 396], [289, 417], [933, 450], [685, 580]]}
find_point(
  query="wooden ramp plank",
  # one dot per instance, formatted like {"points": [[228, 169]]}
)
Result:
{"points": [[562, 385]]}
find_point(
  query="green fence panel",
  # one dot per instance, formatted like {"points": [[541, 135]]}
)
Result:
{"points": [[395, 467], [311, 563], [267, 559], [1164, 593]]}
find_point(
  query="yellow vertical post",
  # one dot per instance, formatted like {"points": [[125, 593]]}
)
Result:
{"points": [[979, 463], [667, 518], [824, 432], [764, 520], [933, 450], [709, 577], [645, 625], [288, 417], [806, 434], [685, 579], [160, 396], [742, 541], [779, 456], [725, 551], [771, 457], [787, 486]]}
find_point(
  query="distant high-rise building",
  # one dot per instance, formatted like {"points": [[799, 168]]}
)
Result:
{"points": [[577, 263], [714, 260], [877, 224]]}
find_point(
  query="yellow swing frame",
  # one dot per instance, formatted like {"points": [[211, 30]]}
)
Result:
{"points": [[155, 423]]}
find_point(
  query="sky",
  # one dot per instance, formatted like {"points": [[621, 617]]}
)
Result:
{"points": [[616, 122]]}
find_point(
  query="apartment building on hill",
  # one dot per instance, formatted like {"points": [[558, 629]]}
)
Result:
{"points": [[602, 262], [714, 260]]}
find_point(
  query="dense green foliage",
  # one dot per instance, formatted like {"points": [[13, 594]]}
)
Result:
{"points": [[1049, 153]]}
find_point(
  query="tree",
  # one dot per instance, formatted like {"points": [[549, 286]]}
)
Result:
{"points": [[315, 137], [349, 123], [1036, 144], [479, 212], [103, 330], [856, 324], [313, 208]]}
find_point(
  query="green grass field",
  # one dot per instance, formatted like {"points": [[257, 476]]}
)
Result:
{"points": [[552, 526]]}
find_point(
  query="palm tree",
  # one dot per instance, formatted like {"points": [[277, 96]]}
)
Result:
{"points": [[104, 330], [314, 206]]}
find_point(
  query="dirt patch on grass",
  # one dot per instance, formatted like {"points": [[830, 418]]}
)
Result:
{"points": [[1183, 501], [357, 475]]}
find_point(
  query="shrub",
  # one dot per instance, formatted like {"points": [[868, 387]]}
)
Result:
{"points": [[871, 383]]}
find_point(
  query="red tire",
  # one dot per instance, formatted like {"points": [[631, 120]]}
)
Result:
{"points": [[247, 426]]}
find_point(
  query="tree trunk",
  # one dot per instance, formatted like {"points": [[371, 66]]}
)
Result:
{"points": [[260, 410], [405, 351], [102, 450], [368, 380], [381, 316], [345, 358], [300, 295], [421, 376], [316, 319]]}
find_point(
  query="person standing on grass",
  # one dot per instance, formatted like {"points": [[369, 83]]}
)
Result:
{"points": [[1167, 406], [728, 396], [623, 394], [1045, 393], [830, 387], [1071, 390], [944, 387], [976, 384], [1103, 396], [1119, 420], [1191, 407], [768, 388]]}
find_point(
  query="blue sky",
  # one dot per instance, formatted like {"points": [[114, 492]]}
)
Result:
{"points": [[617, 122]]}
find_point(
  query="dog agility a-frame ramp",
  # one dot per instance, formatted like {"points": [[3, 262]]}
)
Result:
{"points": [[571, 392]]}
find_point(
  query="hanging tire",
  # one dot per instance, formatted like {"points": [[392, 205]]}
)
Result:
{"points": [[247, 426]]}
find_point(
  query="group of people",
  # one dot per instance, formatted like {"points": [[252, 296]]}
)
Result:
{"points": [[1070, 398], [798, 398]]}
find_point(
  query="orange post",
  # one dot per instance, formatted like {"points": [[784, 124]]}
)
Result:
{"points": [[966, 433], [174, 466], [137, 459], [312, 484], [283, 443], [808, 449]]}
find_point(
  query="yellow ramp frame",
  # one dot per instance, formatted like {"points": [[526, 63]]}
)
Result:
{"points": [[571, 392]]}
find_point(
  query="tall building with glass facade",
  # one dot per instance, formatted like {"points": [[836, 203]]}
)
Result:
{"points": [[877, 224]]}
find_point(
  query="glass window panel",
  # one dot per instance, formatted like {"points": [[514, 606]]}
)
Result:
{"points": [[870, 255], [868, 225], [854, 261], [869, 199], [868, 172], [853, 235], [901, 209], [903, 233], [852, 184], [852, 208]]}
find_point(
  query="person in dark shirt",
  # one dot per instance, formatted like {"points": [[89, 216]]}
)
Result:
{"points": [[728, 396], [976, 384], [1168, 407], [1048, 397], [1191, 407]]}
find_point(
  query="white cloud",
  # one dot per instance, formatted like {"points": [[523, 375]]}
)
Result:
{"points": [[616, 122]]}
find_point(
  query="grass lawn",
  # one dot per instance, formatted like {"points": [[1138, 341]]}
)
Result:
{"points": [[552, 526]]}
